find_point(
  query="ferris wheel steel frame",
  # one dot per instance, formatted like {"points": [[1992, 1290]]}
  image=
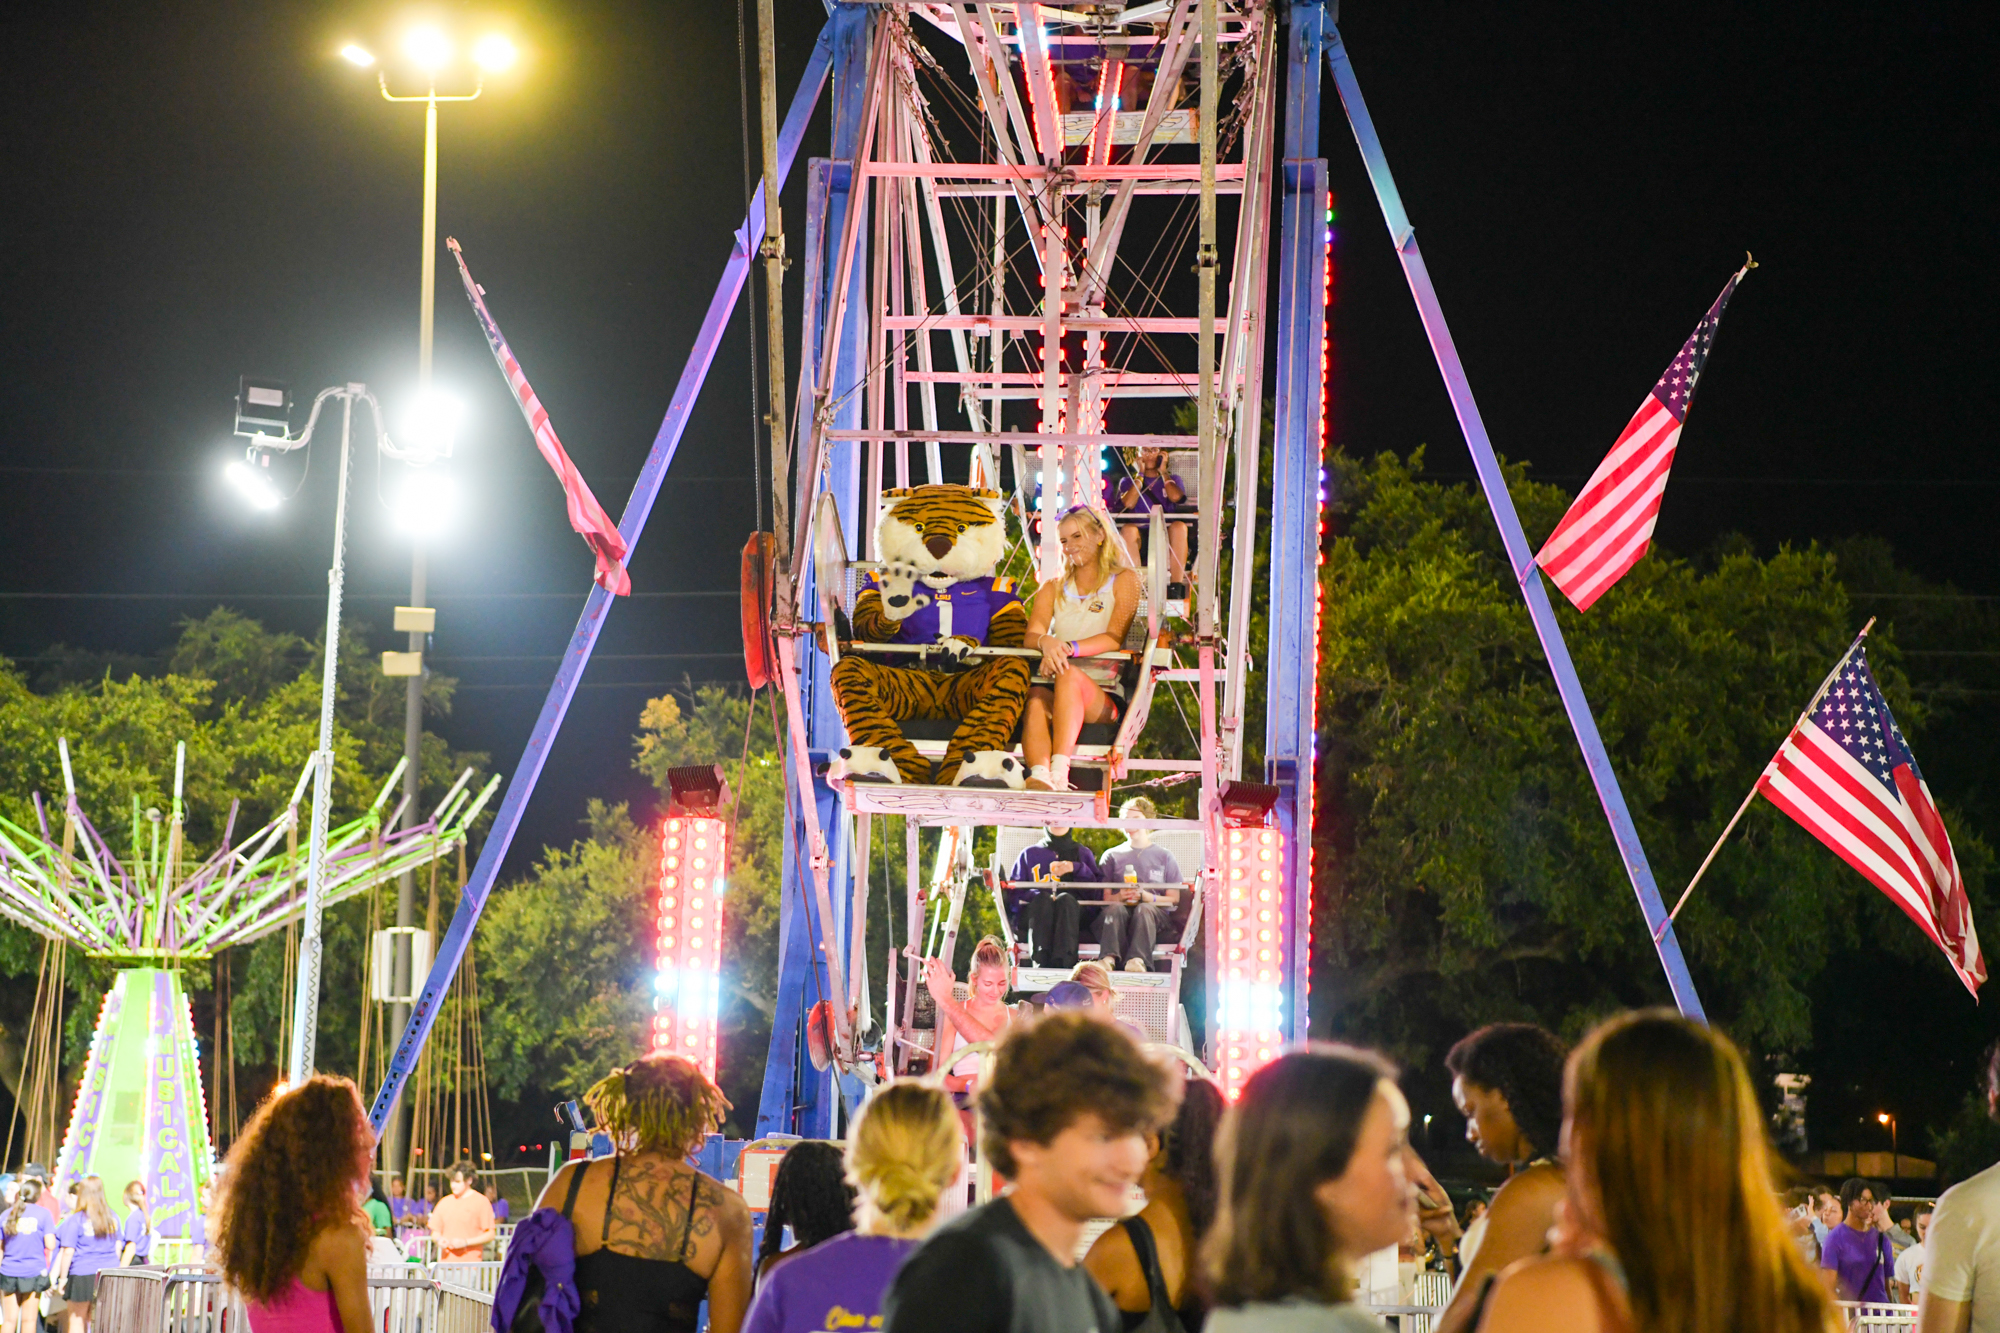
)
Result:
{"points": [[817, 935]]}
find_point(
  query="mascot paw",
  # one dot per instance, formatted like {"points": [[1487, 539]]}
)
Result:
{"points": [[955, 651], [863, 763], [897, 581], [991, 768]]}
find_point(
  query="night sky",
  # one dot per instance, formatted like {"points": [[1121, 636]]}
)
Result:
{"points": [[206, 190]]}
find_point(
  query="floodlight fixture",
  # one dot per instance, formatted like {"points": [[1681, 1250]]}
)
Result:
{"points": [[431, 424], [494, 52], [263, 407], [1247, 804], [427, 47], [425, 503], [251, 483], [697, 789], [357, 55]]}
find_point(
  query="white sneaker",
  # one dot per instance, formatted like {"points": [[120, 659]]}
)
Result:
{"points": [[1059, 772], [1135, 965]]}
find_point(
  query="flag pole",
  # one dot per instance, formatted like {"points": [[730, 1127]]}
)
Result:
{"points": [[1730, 827]]}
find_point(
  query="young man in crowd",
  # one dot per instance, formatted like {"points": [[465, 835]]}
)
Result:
{"points": [[1908, 1282], [1961, 1271], [1066, 1114], [1130, 926], [462, 1221], [1857, 1259]]}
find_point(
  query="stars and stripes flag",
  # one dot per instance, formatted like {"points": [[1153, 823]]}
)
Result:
{"points": [[1847, 775], [585, 514], [1611, 524]]}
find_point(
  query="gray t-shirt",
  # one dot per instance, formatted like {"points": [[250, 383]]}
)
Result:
{"points": [[1293, 1317], [1156, 865]]}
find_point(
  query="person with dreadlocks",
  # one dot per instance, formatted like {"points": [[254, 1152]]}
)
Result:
{"points": [[654, 1236], [811, 1196]]}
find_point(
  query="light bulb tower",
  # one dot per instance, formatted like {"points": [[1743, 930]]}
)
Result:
{"points": [[429, 50]]}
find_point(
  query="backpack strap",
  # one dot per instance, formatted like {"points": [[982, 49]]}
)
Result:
{"points": [[575, 1187]]}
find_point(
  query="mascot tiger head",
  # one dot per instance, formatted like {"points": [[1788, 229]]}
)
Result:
{"points": [[951, 533]]}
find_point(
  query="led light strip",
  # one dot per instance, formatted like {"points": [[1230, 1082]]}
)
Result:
{"points": [[1252, 938], [694, 863]]}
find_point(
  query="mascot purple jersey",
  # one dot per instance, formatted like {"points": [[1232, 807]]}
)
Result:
{"points": [[964, 610]]}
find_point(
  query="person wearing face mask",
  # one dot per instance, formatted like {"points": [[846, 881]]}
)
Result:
{"points": [[1312, 1174], [1507, 1082], [1048, 917]]}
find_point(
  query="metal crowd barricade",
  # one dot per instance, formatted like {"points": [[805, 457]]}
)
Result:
{"points": [[406, 1298], [1874, 1317]]}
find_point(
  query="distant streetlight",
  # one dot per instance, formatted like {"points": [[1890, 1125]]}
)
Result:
{"points": [[430, 49], [261, 404], [359, 55], [1884, 1118]]}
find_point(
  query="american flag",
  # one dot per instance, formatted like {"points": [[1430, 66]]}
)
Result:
{"points": [[1847, 775], [586, 516], [1611, 524]]}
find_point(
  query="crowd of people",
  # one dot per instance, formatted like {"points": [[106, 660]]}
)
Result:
{"points": [[1640, 1198]]}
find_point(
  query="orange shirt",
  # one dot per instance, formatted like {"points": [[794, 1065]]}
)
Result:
{"points": [[458, 1218]]}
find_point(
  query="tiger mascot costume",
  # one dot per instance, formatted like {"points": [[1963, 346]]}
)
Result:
{"points": [[939, 547]]}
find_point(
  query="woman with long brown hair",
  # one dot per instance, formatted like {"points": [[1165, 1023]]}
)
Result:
{"points": [[88, 1238], [1311, 1167], [289, 1234], [1671, 1222], [654, 1236]]}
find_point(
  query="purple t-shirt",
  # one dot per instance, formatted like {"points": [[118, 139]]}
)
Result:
{"points": [[837, 1284], [25, 1253], [94, 1253], [502, 1210], [1852, 1255], [1152, 493], [137, 1232]]}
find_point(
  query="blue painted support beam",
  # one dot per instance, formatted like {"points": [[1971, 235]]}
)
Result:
{"points": [[521, 786], [796, 1098], [1292, 654], [1623, 831]]}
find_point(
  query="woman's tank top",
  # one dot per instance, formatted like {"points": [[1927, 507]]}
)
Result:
{"points": [[298, 1309], [970, 1064], [623, 1293], [1078, 615]]}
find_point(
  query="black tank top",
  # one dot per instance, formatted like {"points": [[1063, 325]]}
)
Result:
{"points": [[623, 1293]]}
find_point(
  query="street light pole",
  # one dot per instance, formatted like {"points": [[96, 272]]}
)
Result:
{"points": [[305, 1002], [396, 1142]]}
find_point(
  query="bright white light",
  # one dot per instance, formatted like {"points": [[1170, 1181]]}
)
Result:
{"points": [[425, 503], [432, 422], [493, 52], [428, 47], [357, 55], [255, 488]]}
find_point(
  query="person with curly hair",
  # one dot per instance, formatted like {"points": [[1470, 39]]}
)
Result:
{"points": [[1507, 1081], [289, 1233], [88, 1241], [654, 1236], [904, 1150], [1064, 1117], [811, 1196], [1147, 1261]]}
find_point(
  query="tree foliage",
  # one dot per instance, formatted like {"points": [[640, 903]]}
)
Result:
{"points": [[1465, 870]]}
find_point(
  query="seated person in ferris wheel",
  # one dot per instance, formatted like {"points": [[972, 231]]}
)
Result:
{"points": [[1141, 486], [1075, 618]]}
